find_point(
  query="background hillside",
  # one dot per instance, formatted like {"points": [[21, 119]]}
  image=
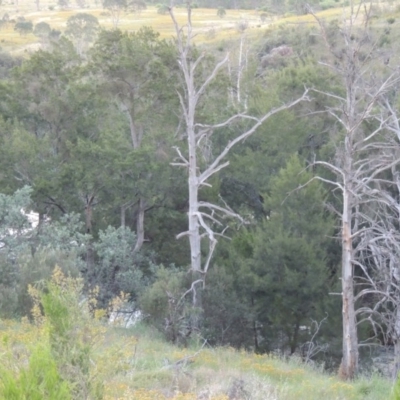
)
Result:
{"points": [[119, 129]]}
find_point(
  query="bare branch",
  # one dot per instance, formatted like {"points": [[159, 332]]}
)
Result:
{"points": [[214, 167]]}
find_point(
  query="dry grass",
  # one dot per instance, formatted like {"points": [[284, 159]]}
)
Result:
{"points": [[204, 20], [207, 25], [138, 364], [159, 371]]}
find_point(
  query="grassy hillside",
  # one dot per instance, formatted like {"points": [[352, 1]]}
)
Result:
{"points": [[138, 364], [208, 26]]}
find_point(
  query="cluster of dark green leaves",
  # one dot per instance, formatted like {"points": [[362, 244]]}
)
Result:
{"points": [[92, 130]]}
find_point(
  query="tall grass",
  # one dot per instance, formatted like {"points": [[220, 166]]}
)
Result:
{"points": [[137, 364]]}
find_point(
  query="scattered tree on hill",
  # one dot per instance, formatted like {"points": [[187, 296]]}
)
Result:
{"points": [[82, 28], [116, 8], [64, 3], [162, 9], [23, 27], [137, 6], [42, 30], [81, 3], [221, 12]]}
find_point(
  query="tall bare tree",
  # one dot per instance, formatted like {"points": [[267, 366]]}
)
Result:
{"points": [[363, 153], [205, 217], [379, 243]]}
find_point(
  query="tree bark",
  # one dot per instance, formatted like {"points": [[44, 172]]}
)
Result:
{"points": [[140, 225], [396, 364], [349, 366]]}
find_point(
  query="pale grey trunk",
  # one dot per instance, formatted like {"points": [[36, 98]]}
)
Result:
{"points": [[193, 220], [140, 225], [123, 216], [136, 137], [136, 133], [239, 77], [349, 365], [89, 249], [194, 229], [396, 364]]}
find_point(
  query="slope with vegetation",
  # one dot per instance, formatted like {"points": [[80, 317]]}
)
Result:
{"points": [[67, 354], [121, 140]]}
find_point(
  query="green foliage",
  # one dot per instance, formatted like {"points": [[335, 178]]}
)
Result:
{"points": [[276, 269], [42, 30], [166, 305], [162, 9], [23, 27], [13, 221], [60, 363], [82, 28], [137, 6], [63, 235], [71, 336], [27, 269], [112, 4], [118, 268], [326, 4], [66, 128], [40, 380], [228, 315], [28, 255], [115, 7], [289, 255], [221, 12], [396, 390]]}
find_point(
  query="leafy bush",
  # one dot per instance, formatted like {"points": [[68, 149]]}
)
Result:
{"points": [[166, 305], [71, 331], [24, 27], [39, 381], [16, 276], [29, 256], [59, 362], [118, 267], [326, 4], [162, 9], [221, 12]]}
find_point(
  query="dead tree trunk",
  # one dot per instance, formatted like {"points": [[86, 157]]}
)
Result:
{"points": [[350, 338], [360, 156], [204, 216]]}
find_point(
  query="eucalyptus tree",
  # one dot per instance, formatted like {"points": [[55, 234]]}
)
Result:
{"points": [[61, 121], [82, 28], [116, 8], [203, 216], [42, 30], [136, 70], [23, 27], [363, 151]]}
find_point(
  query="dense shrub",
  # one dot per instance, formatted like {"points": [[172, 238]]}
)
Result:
{"points": [[166, 305]]}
